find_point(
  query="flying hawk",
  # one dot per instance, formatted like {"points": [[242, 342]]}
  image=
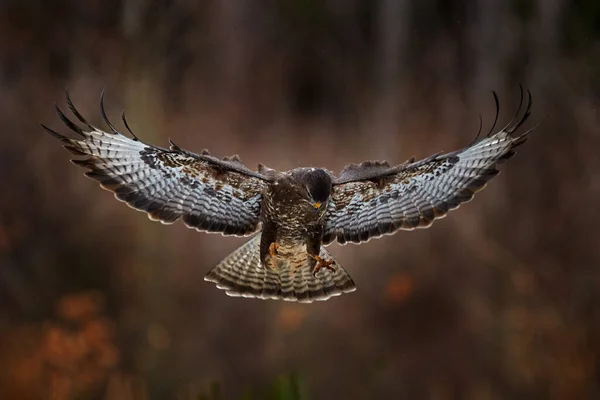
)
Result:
{"points": [[292, 214]]}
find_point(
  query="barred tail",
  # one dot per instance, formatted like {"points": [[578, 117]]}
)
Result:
{"points": [[242, 274]]}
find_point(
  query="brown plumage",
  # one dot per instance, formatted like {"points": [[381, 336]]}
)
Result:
{"points": [[296, 212]]}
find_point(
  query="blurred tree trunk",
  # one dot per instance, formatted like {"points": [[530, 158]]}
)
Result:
{"points": [[237, 38], [145, 100], [393, 34], [545, 32], [490, 47]]}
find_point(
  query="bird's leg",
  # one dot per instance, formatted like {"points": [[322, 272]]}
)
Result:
{"points": [[273, 249], [323, 263], [313, 248]]}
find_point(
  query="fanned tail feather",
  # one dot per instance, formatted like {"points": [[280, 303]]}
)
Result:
{"points": [[242, 274]]}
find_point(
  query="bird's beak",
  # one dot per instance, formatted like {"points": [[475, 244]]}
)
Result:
{"points": [[317, 204]]}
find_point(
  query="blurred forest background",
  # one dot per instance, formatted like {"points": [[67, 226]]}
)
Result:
{"points": [[501, 300]]}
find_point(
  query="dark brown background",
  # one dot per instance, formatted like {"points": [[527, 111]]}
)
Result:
{"points": [[499, 300]]}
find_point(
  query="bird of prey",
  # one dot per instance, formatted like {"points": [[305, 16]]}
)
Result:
{"points": [[292, 214]]}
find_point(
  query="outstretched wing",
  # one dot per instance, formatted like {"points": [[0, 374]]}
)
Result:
{"points": [[374, 199], [207, 193]]}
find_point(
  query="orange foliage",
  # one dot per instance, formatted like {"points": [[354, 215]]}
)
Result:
{"points": [[70, 355], [399, 288], [80, 306], [291, 317]]}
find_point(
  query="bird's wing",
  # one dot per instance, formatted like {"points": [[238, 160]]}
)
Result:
{"points": [[373, 199], [207, 193]]}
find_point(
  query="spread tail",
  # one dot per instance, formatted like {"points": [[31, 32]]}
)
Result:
{"points": [[242, 274]]}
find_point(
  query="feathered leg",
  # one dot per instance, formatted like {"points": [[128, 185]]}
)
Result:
{"points": [[313, 248]]}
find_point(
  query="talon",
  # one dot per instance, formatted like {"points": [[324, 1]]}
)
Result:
{"points": [[322, 263], [273, 249], [273, 253]]}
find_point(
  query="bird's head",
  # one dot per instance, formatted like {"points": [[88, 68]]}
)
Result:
{"points": [[317, 186]]}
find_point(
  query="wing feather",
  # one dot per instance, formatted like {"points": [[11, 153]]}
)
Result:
{"points": [[374, 199], [208, 194]]}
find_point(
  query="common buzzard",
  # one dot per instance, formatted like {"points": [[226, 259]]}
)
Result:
{"points": [[292, 214]]}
